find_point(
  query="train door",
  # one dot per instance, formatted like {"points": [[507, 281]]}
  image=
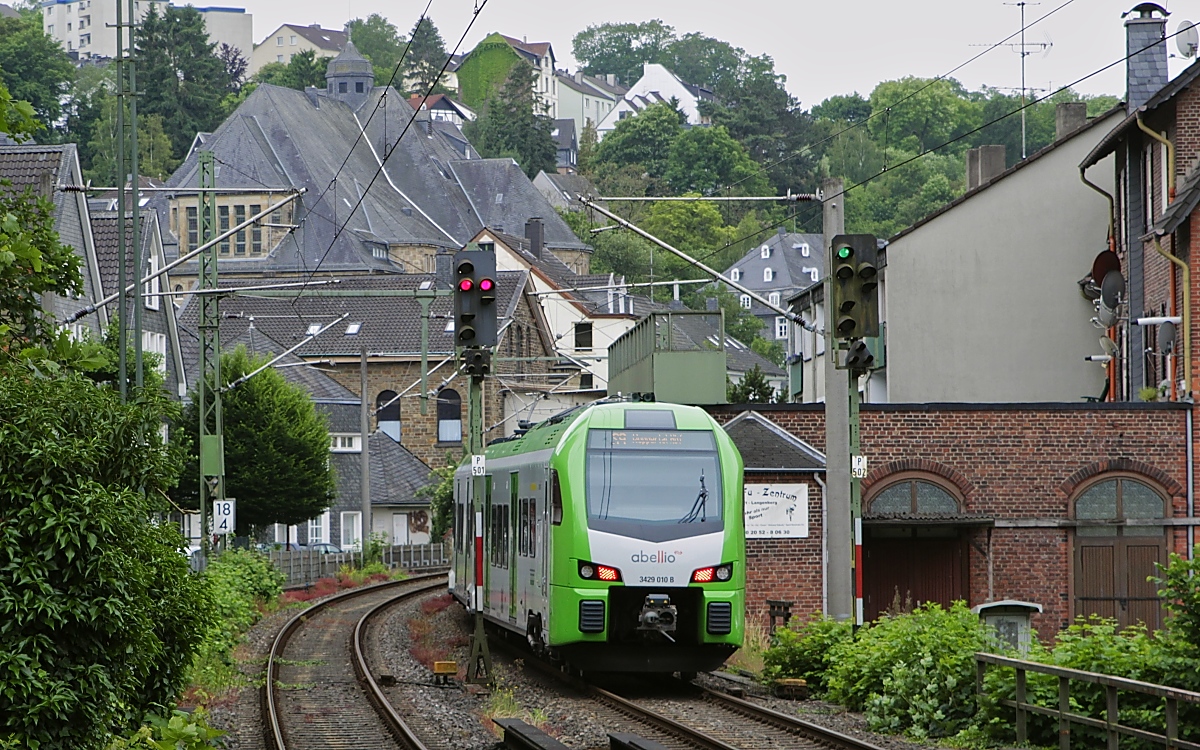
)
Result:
{"points": [[514, 503], [464, 534]]}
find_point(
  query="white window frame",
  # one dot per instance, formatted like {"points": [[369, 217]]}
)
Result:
{"points": [[351, 528], [157, 343], [804, 249], [345, 443], [745, 301], [768, 274], [736, 274], [283, 532], [773, 298], [151, 288], [278, 41], [765, 251], [318, 529], [293, 40], [781, 327]]}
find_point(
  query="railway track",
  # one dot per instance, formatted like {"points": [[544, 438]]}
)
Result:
{"points": [[682, 715], [319, 691]]}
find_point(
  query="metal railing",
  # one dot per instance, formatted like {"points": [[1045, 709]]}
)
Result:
{"points": [[676, 331], [303, 567], [1110, 724]]}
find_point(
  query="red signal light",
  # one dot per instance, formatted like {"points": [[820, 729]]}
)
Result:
{"points": [[605, 573], [486, 285], [465, 285]]}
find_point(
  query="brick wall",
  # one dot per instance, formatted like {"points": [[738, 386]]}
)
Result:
{"points": [[1013, 463]]}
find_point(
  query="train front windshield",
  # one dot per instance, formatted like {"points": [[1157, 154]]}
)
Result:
{"points": [[653, 484]]}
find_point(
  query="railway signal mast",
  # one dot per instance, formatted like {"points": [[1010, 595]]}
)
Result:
{"points": [[475, 330]]}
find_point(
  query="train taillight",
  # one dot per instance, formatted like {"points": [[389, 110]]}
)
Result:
{"points": [[720, 573], [595, 572]]}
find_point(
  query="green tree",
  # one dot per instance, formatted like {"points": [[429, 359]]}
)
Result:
{"points": [[512, 125], [622, 48], [276, 448], [155, 155], [704, 160], [235, 66], [753, 388], [426, 56], [644, 139], [440, 492], [93, 84], [101, 615], [768, 349], [843, 108], [183, 79], [704, 61], [917, 114], [379, 41], [34, 67], [303, 70], [589, 141], [697, 228]]}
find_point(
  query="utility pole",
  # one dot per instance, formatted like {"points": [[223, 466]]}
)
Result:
{"points": [[135, 208], [838, 500], [208, 390], [122, 258], [364, 425]]}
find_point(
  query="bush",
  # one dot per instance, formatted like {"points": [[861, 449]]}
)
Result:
{"points": [[912, 673], [806, 651]]}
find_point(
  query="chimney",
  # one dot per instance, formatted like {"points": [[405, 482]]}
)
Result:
{"points": [[1069, 117], [444, 269], [611, 78], [535, 232], [1145, 69], [782, 231], [579, 76], [983, 164], [424, 120]]}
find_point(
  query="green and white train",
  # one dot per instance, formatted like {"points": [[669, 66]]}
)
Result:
{"points": [[612, 538]]}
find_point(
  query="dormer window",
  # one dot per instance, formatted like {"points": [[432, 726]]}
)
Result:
{"points": [[768, 274], [745, 300], [773, 298], [735, 274], [765, 252], [803, 248]]}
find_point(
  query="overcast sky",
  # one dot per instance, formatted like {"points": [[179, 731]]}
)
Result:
{"points": [[824, 48]]}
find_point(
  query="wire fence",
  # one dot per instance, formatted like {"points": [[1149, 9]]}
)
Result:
{"points": [[304, 567]]}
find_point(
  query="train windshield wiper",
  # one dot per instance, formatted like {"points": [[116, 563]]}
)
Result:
{"points": [[698, 511]]}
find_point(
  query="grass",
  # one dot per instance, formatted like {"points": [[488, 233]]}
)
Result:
{"points": [[756, 641], [503, 704]]}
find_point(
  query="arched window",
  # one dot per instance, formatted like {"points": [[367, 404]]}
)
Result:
{"points": [[765, 251], [387, 411], [768, 274], [745, 301], [449, 416], [736, 274], [913, 496], [1119, 536], [773, 298]]}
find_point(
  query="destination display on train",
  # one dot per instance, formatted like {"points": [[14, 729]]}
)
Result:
{"points": [[651, 439]]}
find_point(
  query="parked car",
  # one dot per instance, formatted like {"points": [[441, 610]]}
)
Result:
{"points": [[325, 548], [266, 547]]}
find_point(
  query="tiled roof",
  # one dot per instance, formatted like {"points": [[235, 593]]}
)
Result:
{"points": [[765, 446], [538, 49], [24, 166], [104, 232]]}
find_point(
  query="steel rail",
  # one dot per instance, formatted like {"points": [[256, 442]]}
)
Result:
{"points": [[272, 718]]}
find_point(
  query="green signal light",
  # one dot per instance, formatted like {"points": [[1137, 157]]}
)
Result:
{"points": [[844, 252]]}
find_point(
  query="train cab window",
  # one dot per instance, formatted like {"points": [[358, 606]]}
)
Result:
{"points": [[449, 416], [679, 468]]}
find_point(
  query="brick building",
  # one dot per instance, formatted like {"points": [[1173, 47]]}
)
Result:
{"points": [[985, 502]]}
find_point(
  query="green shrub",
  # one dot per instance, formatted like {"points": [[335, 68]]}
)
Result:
{"points": [[806, 651], [912, 673], [179, 731]]}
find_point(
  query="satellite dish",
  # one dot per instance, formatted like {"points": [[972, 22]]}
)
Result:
{"points": [[1108, 345], [1106, 261], [1166, 338], [1187, 39], [1111, 288], [1090, 291], [1105, 316]]}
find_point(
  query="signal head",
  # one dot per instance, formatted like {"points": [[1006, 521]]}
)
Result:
{"points": [[465, 285], [486, 285], [464, 268], [844, 252]]}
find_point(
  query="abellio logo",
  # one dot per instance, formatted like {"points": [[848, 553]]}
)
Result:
{"points": [[657, 557]]}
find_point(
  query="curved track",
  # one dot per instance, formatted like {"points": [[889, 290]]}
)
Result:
{"points": [[319, 692]]}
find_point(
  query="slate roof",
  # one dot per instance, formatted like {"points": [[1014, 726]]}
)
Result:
{"points": [[790, 267], [504, 199], [592, 86], [327, 39], [564, 133], [441, 101], [7, 11], [572, 185], [395, 474], [765, 446], [390, 325], [1186, 200]]}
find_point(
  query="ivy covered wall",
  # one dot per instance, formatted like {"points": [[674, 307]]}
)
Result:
{"points": [[485, 69]]}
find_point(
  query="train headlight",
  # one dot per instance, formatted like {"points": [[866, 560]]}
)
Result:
{"points": [[590, 571], [715, 573]]}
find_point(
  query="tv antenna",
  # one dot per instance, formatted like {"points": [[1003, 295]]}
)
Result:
{"points": [[1024, 49]]}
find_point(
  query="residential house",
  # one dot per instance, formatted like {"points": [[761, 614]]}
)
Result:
{"points": [[7, 11], [562, 191], [657, 85], [981, 300], [567, 141], [84, 28], [430, 193], [780, 267], [484, 70], [51, 172], [290, 39], [587, 99], [160, 332], [443, 109]]}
